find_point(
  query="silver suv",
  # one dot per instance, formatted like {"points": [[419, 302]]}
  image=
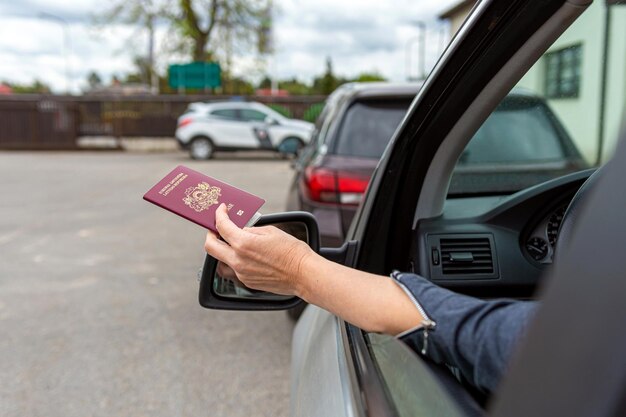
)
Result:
{"points": [[230, 126]]}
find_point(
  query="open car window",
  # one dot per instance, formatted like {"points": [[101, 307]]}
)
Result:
{"points": [[562, 117], [413, 387]]}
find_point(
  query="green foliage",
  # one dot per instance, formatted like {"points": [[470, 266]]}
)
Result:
{"points": [[311, 114], [37, 87], [328, 82], [366, 77], [265, 83], [238, 86], [295, 87], [94, 80], [132, 78], [280, 109]]}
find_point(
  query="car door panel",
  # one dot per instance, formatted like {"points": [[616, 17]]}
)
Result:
{"points": [[233, 134], [318, 368]]}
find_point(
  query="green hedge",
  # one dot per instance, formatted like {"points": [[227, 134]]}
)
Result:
{"points": [[310, 115]]}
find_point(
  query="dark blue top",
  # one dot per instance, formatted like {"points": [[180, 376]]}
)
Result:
{"points": [[477, 337]]}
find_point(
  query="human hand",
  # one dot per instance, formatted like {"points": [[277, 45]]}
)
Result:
{"points": [[226, 272], [263, 258]]}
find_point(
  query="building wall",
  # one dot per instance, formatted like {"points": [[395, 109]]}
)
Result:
{"points": [[616, 92], [457, 20], [581, 115]]}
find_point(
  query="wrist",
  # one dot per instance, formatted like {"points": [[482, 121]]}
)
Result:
{"points": [[302, 277]]}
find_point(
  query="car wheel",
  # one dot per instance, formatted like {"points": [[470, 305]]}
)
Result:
{"points": [[295, 313], [201, 148], [290, 146]]}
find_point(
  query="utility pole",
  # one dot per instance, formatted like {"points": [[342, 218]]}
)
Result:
{"points": [[153, 79], [66, 45], [421, 54]]}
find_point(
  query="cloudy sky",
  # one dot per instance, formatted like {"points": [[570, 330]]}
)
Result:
{"points": [[358, 35]]}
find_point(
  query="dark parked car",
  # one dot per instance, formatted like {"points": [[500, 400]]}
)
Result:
{"points": [[351, 134], [571, 362], [523, 142]]}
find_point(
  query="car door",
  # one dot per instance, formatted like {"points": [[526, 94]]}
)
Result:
{"points": [[228, 130], [498, 43], [255, 122]]}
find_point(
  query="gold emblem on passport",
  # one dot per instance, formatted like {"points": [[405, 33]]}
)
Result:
{"points": [[202, 196]]}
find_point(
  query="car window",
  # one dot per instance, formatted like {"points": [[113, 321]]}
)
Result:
{"points": [[252, 115], [368, 126], [411, 384], [225, 113], [563, 116], [521, 130]]}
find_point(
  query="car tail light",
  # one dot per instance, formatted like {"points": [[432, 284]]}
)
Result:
{"points": [[185, 121], [328, 186]]}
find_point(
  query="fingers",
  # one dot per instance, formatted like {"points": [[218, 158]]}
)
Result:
{"points": [[218, 249], [227, 272], [227, 229]]}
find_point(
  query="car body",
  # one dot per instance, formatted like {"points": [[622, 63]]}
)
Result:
{"points": [[352, 131], [238, 125], [332, 173], [571, 362]]}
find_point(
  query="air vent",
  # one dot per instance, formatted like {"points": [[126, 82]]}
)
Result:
{"points": [[466, 256]]}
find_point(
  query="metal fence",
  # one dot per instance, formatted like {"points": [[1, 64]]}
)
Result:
{"points": [[55, 122], [38, 124]]}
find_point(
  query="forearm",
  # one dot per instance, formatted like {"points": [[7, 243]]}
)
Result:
{"points": [[372, 302], [478, 337]]}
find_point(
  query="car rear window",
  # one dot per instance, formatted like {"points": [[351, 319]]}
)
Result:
{"points": [[521, 130], [368, 126]]}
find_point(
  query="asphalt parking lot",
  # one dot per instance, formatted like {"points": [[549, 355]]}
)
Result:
{"points": [[98, 294]]}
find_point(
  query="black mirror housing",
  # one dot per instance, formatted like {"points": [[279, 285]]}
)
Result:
{"points": [[210, 298]]}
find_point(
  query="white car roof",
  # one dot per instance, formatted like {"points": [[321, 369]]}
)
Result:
{"points": [[215, 105]]}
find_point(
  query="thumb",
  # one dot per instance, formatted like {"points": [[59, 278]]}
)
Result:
{"points": [[225, 227]]}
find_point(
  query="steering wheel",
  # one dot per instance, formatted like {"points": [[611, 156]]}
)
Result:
{"points": [[570, 218]]}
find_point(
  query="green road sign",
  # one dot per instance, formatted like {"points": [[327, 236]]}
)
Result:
{"points": [[195, 75]]}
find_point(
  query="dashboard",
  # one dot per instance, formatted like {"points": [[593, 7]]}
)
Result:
{"points": [[496, 245], [540, 244]]}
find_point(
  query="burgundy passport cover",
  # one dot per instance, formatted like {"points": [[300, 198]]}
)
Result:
{"points": [[196, 196]]}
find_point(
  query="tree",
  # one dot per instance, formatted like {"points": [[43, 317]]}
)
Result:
{"points": [[328, 82], [265, 82], [203, 30], [295, 87], [203, 27], [37, 87], [94, 80], [239, 86], [214, 26]]}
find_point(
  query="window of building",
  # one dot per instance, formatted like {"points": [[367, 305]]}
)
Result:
{"points": [[563, 72]]}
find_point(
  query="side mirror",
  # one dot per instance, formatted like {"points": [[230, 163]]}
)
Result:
{"points": [[219, 287], [271, 121]]}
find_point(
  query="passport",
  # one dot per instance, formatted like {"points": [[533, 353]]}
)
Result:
{"points": [[195, 197]]}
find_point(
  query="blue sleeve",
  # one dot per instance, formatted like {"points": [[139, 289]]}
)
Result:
{"points": [[477, 337]]}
